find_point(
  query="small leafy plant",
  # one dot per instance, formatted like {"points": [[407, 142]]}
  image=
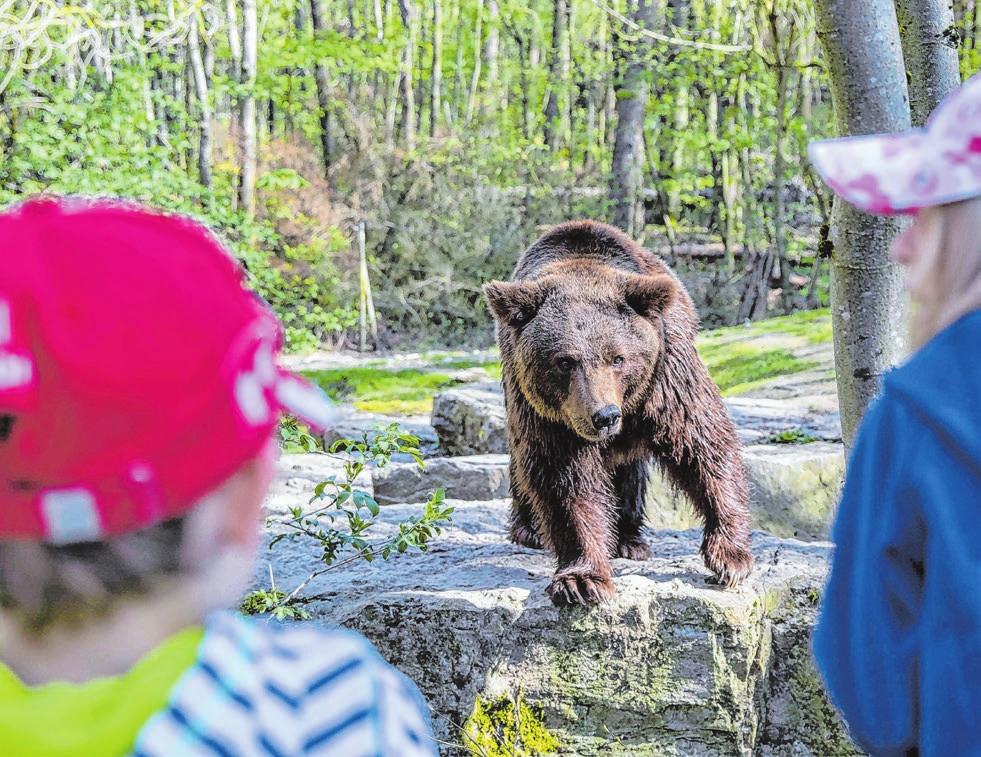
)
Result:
{"points": [[791, 436], [342, 520]]}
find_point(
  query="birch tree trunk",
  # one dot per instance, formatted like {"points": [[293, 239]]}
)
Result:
{"points": [[930, 49], [436, 72], [475, 79], [204, 103], [628, 146], [321, 78], [868, 88], [492, 46], [250, 158], [409, 14], [553, 128]]}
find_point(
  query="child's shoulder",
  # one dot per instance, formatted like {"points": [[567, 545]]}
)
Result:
{"points": [[265, 688]]}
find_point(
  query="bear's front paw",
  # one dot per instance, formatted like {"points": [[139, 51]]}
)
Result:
{"points": [[580, 586], [729, 559], [634, 549], [526, 537]]}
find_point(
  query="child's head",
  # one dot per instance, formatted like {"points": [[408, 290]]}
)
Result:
{"points": [[209, 551], [934, 174], [139, 396], [941, 251]]}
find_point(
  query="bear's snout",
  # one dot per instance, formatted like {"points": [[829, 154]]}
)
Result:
{"points": [[606, 417]]}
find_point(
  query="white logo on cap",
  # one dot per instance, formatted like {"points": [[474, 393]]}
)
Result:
{"points": [[15, 371], [6, 328], [70, 515]]}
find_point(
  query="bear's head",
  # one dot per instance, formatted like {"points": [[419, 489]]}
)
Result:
{"points": [[584, 341]]}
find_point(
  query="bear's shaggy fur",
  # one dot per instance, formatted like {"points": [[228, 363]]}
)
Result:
{"points": [[601, 377]]}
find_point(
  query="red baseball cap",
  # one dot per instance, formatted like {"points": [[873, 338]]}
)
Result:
{"points": [[137, 373]]}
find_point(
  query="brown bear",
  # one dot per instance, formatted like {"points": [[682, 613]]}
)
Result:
{"points": [[601, 377]]}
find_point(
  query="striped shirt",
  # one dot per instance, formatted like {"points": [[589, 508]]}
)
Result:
{"points": [[286, 691]]}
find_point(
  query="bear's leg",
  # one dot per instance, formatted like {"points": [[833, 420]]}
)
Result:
{"points": [[522, 530], [570, 493], [695, 443], [630, 482]]}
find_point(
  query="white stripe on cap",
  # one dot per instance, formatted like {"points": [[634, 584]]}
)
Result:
{"points": [[15, 371], [6, 327], [307, 402], [70, 515]]}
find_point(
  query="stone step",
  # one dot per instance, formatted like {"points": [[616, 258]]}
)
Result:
{"points": [[473, 477]]}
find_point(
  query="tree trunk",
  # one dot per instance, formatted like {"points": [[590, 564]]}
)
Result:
{"points": [[204, 103], [930, 50], [475, 79], [492, 46], [409, 19], [628, 147], [553, 129], [322, 80], [436, 72], [868, 88], [250, 158]]}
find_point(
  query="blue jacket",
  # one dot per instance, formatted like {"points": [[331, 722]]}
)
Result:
{"points": [[898, 641]]}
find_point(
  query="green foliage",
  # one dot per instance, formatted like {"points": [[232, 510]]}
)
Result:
{"points": [[791, 436], [295, 437], [340, 520]]}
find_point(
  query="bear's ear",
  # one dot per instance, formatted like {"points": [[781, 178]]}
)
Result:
{"points": [[514, 303], [649, 295]]}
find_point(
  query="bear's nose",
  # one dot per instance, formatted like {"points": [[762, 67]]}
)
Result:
{"points": [[606, 417]]}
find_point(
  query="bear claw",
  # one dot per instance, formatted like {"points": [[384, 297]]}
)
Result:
{"points": [[573, 588], [634, 549], [730, 562], [526, 537]]}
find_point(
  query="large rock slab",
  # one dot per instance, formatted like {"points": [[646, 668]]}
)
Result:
{"points": [[672, 666], [793, 492], [474, 477], [470, 420]]}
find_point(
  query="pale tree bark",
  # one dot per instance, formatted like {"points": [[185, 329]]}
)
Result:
{"points": [[557, 75], [492, 47], [477, 58], [930, 50], [868, 87], [628, 146], [680, 17], [409, 18], [250, 158], [321, 78], [204, 103], [436, 72]]}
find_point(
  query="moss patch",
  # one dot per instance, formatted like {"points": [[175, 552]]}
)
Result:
{"points": [[376, 390], [740, 367], [810, 326], [504, 727]]}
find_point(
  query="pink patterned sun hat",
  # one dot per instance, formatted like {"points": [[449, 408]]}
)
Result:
{"points": [[891, 174]]}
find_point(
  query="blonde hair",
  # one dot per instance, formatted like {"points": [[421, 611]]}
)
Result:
{"points": [[953, 285]]}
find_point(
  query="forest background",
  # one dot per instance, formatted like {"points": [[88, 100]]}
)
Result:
{"points": [[449, 131]]}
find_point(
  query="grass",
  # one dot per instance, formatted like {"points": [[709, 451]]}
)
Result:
{"points": [[377, 390], [736, 360], [812, 326], [739, 368]]}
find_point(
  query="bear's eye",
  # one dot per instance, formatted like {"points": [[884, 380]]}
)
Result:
{"points": [[565, 364], [618, 361]]}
